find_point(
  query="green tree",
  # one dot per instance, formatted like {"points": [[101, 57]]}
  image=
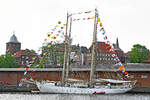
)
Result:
{"points": [[139, 54], [53, 53], [33, 51], [7, 61]]}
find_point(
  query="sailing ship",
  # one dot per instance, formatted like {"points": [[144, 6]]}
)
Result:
{"points": [[80, 86]]}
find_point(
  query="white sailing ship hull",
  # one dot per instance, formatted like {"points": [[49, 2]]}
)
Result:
{"points": [[50, 88]]}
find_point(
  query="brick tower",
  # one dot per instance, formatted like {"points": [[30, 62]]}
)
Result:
{"points": [[13, 45]]}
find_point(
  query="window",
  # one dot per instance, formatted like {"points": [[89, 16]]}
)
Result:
{"points": [[131, 76], [27, 57], [143, 76], [27, 61], [22, 62]]}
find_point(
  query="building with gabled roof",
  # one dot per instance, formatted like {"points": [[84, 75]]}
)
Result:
{"points": [[104, 56], [24, 57]]}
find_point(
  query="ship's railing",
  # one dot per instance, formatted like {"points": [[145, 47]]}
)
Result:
{"points": [[115, 87]]}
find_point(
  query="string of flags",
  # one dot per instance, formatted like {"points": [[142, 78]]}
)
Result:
{"points": [[58, 30], [110, 48], [86, 12], [84, 18], [54, 33], [108, 43], [27, 68]]}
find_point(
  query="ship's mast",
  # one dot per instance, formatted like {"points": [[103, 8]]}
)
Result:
{"points": [[69, 49], [93, 59], [65, 55]]}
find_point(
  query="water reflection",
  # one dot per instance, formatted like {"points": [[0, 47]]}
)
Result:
{"points": [[28, 96]]}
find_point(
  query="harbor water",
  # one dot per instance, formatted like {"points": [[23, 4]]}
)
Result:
{"points": [[29, 96]]}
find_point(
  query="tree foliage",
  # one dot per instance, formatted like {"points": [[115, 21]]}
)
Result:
{"points": [[33, 51], [7, 61], [139, 54], [53, 54]]}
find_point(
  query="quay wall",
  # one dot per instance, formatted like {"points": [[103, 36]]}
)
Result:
{"points": [[11, 77]]}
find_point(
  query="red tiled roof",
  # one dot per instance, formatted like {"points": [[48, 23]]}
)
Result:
{"points": [[102, 47], [128, 53], [22, 52], [19, 53]]}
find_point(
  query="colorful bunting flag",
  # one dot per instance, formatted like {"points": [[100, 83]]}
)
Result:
{"points": [[70, 15], [62, 27], [122, 68], [105, 38], [57, 26], [119, 63], [48, 35], [108, 47], [100, 24], [103, 33], [59, 22], [114, 55], [111, 49], [89, 18], [25, 72], [97, 15], [54, 37], [27, 69], [98, 19]]}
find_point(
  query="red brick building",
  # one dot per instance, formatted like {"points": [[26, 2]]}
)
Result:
{"points": [[22, 57], [104, 56]]}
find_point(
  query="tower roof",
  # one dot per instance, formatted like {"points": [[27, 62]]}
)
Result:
{"points": [[116, 46], [13, 39]]}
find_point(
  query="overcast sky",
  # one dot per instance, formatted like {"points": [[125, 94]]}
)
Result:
{"points": [[129, 20]]}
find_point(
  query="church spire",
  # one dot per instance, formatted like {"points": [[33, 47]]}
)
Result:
{"points": [[117, 43]]}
